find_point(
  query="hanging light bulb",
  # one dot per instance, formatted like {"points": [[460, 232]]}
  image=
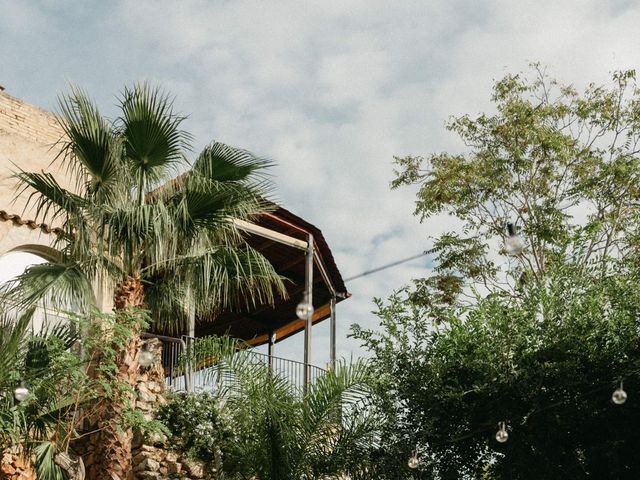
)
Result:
{"points": [[413, 459], [21, 392], [619, 395], [502, 435], [304, 309], [146, 358], [513, 244]]}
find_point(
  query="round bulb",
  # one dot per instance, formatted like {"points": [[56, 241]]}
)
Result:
{"points": [[20, 393], [413, 461], [303, 309], [513, 245], [146, 358], [502, 435], [619, 396]]}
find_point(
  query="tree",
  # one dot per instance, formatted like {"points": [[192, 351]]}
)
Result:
{"points": [[171, 247], [540, 339], [549, 160], [257, 425]]}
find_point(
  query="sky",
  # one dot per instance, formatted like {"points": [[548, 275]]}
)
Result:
{"points": [[329, 90]]}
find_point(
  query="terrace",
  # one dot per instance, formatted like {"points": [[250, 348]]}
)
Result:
{"points": [[296, 248]]}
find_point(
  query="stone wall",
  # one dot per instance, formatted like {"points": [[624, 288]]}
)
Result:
{"points": [[152, 460], [14, 466], [29, 139]]}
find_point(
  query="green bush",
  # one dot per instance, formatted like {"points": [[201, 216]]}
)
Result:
{"points": [[197, 425]]}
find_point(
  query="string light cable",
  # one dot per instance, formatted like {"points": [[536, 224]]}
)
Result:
{"points": [[384, 267]]}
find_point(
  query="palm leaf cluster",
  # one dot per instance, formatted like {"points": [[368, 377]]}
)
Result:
{"points": [[121, 216], [280, 434], [45, 363]]}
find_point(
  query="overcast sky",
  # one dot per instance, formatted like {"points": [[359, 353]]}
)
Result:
{"points": [[329, 90]]}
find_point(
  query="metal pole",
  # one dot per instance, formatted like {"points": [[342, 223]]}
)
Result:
{"points": [[192, 335], [308, 298], [272, 342], [332, 333]]}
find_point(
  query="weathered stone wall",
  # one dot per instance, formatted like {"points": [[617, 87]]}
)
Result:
{"points": [[14, 466], [152, 460], [29, 139]]}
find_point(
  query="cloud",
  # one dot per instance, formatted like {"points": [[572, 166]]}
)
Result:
{"points": [[330, 90]]}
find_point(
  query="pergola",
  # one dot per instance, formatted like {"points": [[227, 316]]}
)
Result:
{"points": [[299, 252]]}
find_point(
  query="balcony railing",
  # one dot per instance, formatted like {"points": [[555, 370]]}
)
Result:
{"points": [[209, 378]]}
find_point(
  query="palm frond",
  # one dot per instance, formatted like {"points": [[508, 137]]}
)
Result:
{"points": [[223, 163], [225, 277], [46, 466], [64, 285], [153, 140], [345, 386], [48, 198], [12, 346], [91, 150]]}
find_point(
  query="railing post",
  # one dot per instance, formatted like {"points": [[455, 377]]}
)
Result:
{"points": [[308, 283], [191, 336], [272, 342]]}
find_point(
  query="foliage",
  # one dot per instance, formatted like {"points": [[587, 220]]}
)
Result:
{"points": [[257, 425], [546, 362], [538, 340], [122, 217], [549, 159], [125, 224], [64, 387], [197, 426]]}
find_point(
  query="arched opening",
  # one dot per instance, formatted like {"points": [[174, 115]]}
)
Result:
{"points": [[13, 264]]}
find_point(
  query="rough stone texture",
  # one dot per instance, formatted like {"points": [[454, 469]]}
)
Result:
{"points": [[151, 458], [14, 466], [29, 139]]}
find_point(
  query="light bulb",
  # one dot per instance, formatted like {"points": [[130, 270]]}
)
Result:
{"points": [[413, 461], [20, 393], [513, 244], [304, 309], [502, 435], [146, 359], [619, 395]]}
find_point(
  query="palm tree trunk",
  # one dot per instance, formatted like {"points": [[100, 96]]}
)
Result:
{"points": [[115, 459]]}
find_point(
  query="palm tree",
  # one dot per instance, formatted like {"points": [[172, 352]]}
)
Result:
{"points": [[279, 434], [168, 246], [29, 424]]}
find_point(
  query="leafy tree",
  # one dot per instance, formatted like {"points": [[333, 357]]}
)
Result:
{"points": [[540, 339], [550, 160], [257, 425], [170, 247]]}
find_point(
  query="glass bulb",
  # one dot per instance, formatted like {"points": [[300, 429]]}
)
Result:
{"points": [[513, 245], [303, 309], [619, 396], [502, 435], [413, 461], [146, 359], [20, 393]]}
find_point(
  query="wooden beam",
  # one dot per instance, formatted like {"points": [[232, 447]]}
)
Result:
{"points": [[293, 326], [270, 234]]}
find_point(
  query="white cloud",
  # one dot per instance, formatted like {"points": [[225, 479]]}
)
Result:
{"points": [[330, 90]]}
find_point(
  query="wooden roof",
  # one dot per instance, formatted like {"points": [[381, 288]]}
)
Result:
{"points": [[256, 326]]}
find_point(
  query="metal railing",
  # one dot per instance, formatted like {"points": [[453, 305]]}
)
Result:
{"points": [[211, 377], [175, 377]]}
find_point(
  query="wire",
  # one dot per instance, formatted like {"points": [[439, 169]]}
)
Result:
{"points": [[384, 267]]}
